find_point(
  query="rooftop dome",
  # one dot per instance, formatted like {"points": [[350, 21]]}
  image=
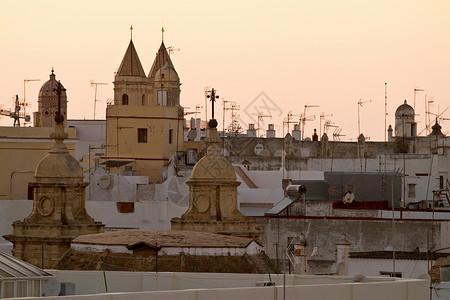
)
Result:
{"points": [[167, 73], [48, 89], [213, 168], [404, 110], [58, 165]]}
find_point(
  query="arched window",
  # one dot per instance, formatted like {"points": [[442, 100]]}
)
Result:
{"points": [[143, 99], [124, 99]]}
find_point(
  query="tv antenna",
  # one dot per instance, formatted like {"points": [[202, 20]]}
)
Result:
{"points": [[416, 90], [327, 125], [260, 119], [360, 103], [305, 118], [25, 104], [337, 134], [16, 114], [322, 117], [231, 106], [172, 49], [287, 121], [93, 83]]}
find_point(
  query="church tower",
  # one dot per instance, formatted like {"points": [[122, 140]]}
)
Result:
{"points": [[130, 82], [145, 124]]}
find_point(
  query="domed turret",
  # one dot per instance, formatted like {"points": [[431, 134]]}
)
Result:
{"points": [[405, 126], [404, 110], [58, 165], [48, 102]]}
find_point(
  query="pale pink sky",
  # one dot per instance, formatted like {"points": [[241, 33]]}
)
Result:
{"points": [[328, 53]]}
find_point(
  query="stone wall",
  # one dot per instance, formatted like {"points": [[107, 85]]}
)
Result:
{"points": [[363, 234]]}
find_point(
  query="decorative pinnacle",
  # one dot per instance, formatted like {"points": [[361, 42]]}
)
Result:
{"points": [[162, 33], [131, 32]]}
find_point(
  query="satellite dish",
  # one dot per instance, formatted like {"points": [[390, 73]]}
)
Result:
{"points": [[258, 149], [348, 198], [52, 287], [192, 134], [104, 181], [359, 278]]}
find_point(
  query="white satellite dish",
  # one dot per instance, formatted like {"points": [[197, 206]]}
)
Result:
{"points": [[258, 149], [359, 278], [52, 287], [348, 197], [104, 181]]}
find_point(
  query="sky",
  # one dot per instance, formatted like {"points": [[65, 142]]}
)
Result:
{"points": [[270, 57]]}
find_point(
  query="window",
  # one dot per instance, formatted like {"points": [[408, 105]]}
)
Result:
{"points": [[350, 188], [162, 98], [124, 99], [441, 182], [143, 99], [22, 288], [412, 190], [170, 136], [391, 274], [7, 289], [142, 135]]}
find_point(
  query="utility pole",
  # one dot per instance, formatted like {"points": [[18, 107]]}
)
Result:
{"points": [[360, 103], [93, 83]]}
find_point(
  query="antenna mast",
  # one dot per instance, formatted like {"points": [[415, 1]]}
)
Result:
{"points": [[25, 81], [93, 83], [322, 117], [360, 103], [416, 90], [260, 117], [304, 118]]}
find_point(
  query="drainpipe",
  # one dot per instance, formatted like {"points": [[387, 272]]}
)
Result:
{"points": [[11, 181]]}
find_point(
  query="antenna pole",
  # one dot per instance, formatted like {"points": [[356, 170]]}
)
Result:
{"points": [[385, 125], [96, 84], [360, 103], [25, 81]]}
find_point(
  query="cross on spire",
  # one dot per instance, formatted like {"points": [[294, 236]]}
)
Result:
{"points": [[162, 33], [131, 32]]}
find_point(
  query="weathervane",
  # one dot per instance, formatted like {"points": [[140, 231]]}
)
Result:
{"points": [[213, 96]]}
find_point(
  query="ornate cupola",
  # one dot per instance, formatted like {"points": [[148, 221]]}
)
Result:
{"points": [[59, 213], [48, 102], [213, 205]]}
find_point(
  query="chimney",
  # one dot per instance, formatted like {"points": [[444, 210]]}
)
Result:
{"points": [[270, 133], [251, 132], [296, 134]]}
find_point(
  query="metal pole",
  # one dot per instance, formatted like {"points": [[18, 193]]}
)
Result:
{"points": [[95, 99]]}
